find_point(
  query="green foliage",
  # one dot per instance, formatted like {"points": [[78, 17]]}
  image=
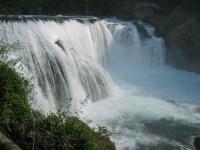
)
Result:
{"points": [[103, 131], [119, 8], [13, 89], [102, 139], [59, 131], [31, 129], [69, 7]]}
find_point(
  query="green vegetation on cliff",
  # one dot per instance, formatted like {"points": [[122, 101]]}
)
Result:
{"points": [[30, 129]]}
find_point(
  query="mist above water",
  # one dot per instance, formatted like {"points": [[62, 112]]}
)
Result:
{"points": [[122, 75]]}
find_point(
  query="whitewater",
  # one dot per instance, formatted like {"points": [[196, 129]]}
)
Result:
{"points": [[107, 73]]}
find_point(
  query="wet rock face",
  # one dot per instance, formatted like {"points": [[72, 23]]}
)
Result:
{"points": [[143, 32], [196, 143], [184, 45], [182, 35]]}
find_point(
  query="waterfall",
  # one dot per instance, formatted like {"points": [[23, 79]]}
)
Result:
{"points": [[67, 59], [113, 72]]}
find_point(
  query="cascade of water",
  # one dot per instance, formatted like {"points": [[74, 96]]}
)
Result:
{"points": [[67, 59], [64, 59]]}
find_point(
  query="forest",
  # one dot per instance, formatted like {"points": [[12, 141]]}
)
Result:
{"points": [[121, 8]]}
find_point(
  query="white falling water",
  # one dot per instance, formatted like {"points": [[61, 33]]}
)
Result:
{"points": [[64, 59], [124, 76]]}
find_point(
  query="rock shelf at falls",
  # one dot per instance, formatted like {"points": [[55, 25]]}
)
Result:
{"points": [[122, 75]]}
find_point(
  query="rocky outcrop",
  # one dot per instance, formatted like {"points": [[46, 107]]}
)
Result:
{"points": [[180, 28], [179, 23], [184, 45], [143, 32]]}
